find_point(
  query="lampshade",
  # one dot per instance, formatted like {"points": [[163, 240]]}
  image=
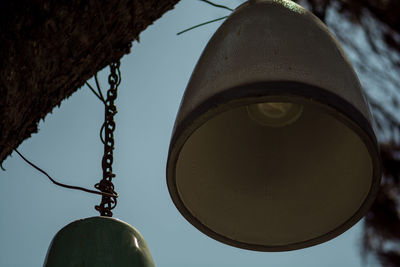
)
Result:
{"points": [[100, 242], [273, 148]]}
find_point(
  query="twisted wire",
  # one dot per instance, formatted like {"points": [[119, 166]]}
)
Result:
{"points": [[105, 185]]}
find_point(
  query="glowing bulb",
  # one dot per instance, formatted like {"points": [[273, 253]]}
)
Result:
{"points": [[275, 114]]}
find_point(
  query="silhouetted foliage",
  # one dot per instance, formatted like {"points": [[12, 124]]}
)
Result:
{"points": [[369, 30]]}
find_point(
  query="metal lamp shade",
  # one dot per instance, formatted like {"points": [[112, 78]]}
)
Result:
{"points": [[100, 242], [262, 186]]}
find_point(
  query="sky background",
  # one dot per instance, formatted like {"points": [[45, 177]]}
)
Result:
{"points": [[154, 76]]}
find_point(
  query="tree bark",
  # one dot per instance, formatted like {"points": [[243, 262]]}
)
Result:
{"points": [[48, 49]]}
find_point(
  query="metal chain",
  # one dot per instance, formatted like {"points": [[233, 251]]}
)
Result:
{"points": [[105, 185]]}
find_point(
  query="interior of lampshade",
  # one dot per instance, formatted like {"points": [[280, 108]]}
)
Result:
{"points": [[273, 186]]}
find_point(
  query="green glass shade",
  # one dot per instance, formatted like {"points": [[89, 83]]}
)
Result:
{"points": [[98, 241]]}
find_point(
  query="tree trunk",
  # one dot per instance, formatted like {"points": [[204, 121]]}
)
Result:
{"points": [[48, 49]]}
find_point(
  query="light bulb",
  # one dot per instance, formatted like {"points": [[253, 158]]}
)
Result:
{"points": [[275, 114]]}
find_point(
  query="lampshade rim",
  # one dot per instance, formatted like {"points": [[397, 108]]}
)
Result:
{"points": [[248, 94]]}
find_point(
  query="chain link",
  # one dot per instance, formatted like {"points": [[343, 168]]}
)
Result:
{"points": [[105, 185]]}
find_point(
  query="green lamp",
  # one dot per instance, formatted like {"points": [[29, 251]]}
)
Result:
{"points": [[101, 242]]}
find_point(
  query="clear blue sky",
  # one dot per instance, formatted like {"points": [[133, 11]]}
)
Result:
{"points": [[154, 76]]}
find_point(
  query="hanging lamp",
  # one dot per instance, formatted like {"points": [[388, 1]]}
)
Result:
{"points": [[98, 241], [272, 148], [101, 241]]}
